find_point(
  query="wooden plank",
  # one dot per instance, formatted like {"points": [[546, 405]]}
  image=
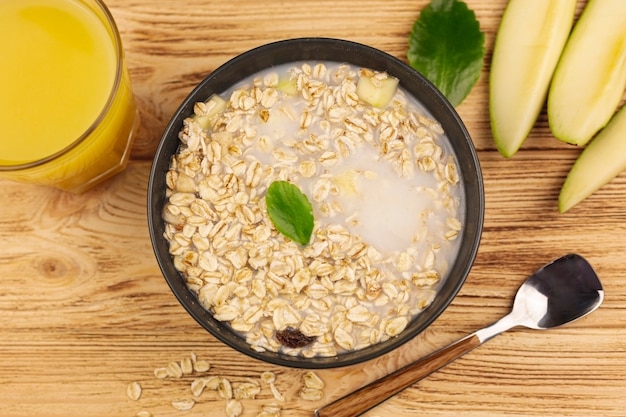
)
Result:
{"points": [[84, 309]]}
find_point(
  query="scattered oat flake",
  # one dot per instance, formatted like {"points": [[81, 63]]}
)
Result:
{"points": [[270, 410], [311, 394], [277, 395], [184, 404], [268, 377], [267, 414], [173, 369], [213, 382], [234, 408], [161, 373], [201, 366], [143, 414], [246, 390], [197, 386], [225, 389], [186, 366], [311, 380], [133, 391]]}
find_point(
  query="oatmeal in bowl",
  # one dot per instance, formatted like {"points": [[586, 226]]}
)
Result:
{"points": [[315, 203]]}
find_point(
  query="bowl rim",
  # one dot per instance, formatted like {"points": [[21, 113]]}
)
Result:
{"points": [[262, 57]]}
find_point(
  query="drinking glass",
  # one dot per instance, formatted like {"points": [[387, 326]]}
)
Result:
{"points": [[67, 111]]}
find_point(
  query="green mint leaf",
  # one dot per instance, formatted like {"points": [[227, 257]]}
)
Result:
{"points": [[447, 47], [290, 211]]}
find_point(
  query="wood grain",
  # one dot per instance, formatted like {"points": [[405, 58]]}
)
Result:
{"points": [[84, 309]]}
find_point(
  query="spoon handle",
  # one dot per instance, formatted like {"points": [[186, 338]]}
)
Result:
{"points": [[378, 391]]}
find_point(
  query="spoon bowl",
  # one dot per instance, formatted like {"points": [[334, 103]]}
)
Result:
{"points": [[571, 289], [562, 291]]}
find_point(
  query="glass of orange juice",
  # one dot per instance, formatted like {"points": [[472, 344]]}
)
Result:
{"points": [[67, 111]]}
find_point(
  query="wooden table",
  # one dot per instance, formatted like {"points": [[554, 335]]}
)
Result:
{"points": [[84, 309]]}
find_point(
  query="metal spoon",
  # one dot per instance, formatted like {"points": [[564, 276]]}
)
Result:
{"points": [[562, 291]]}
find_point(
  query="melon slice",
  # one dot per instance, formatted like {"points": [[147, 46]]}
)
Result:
{"points": [[590, 77], [530, 39], [602, 160]]}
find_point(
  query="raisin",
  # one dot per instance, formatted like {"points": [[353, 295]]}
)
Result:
{"points": [[293, 338]]}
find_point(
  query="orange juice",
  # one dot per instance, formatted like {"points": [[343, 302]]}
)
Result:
{"points": [[67, 113]]}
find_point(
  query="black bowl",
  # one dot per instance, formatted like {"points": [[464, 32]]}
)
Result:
{"points": [[322, 49]]}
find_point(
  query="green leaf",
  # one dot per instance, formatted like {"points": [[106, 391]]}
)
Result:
{"points": [[447, 47], [290, 211]]}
